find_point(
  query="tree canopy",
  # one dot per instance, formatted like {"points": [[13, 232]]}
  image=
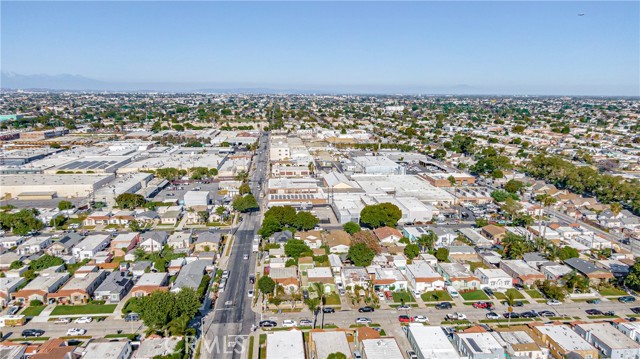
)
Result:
{"points": [[411, 250], [351, 227], [245, 203], [266, 285], [130, 201], [360, 254], [22, 222], [64, 205], [380, 215], [295, 248], [278, 218]]}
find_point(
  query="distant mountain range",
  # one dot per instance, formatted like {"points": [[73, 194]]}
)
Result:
{"points": [[68, 82]]}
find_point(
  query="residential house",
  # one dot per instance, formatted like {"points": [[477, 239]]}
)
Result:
{"points": [[554, 271], [313, 239], [519, 343], [33, 245], [149, 283], [175, 265], [286, 277], [494, 233], [171, 216], [64, 246], [141, 267], [179, 240], [521, 273], [114, 287], [41, 287], [11, 241], [335, 262], [389, 279], [191, 275], [423, 278], [611, 342], [80, 288], [562, 341], [153, 347], [338, 241], [9, 285], [110, 349], [97, 218], [355, 276], [481, 345], [495, 279], [445, 237], [387, 235], [208, 242], [90, 246], [305, 263], [280, 237], [124, 242], [589, 269], [322, 275], [153, 241], [459, 276]]}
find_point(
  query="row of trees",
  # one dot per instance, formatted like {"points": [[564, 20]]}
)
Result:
{"points": [[21, 222], [166, 311], [195, 173], [279, 218]]}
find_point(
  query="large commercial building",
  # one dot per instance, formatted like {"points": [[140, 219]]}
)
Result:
{"points": [[64, 185]]}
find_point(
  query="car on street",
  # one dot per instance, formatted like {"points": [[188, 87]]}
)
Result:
{"points": [[245, 257], [381, 296], [420, 319], [405, 319], [83, 320], [267, 324], [132, 317], [546, 313], [493, 315], [305, 323], [288, 323], [411, 354], [518, 303], [530, 314], [511, 315], [594, 301], [76, 331], [483, 305], [62, 320], [627, 299], [363, 320], [357, 355], [328, 310], [13, 310], [554, 302], [635, 310], [252, 279], [366, 309], [609, 313], [32, 332], [455, 316], [593, 312], [444, 305], [225, 274], [404, 307], [250, 293]]}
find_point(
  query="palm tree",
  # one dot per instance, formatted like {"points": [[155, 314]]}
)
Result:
{"points": [[319, 289], [510, 297]]}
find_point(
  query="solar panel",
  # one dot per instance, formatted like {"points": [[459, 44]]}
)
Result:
{"points": [[474, 345]]}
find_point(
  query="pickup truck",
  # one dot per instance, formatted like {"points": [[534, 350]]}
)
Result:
{"points": [[455, 316]]}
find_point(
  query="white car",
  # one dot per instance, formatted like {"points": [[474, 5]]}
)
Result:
{"points": [[63, 321], [381, 296], [76, 331], [83, 320], [288, 323], [250, 294], [493, 315], [363, 320], [245, 257], [420, 319], [554, 302]]}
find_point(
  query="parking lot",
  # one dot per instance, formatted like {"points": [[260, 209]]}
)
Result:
{"points": [[174, 193]]}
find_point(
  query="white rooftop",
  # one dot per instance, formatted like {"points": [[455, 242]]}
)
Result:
{"points": [[285, 345], [432, 342]]}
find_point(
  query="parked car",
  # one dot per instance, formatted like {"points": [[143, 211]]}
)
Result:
{"points": [[305, 323], [546, 313], [609, 313], [635, 310], [245, 257], [366, 309], [405, 319], [381, 296], [32, 332], [267, 324], [76, 331], [518, 303], [593, 312], [404, 307], [627, 299], [455, 316], [132, 317], [594, 301], [483, 305], [363, 320], [420, 319], [493, 315], [411, 354], [250, 293], [288, 323], [444, 305], [530, 314], [554, 302], [13, 310], [62, 321], [328, 310], [511, 315], [488, 291], [83, 320]]}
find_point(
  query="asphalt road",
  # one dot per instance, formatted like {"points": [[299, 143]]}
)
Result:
{"points": [[226, 327]]}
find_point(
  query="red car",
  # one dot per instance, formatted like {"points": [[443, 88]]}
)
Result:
{"points": [[405, 319], [483, 305]]}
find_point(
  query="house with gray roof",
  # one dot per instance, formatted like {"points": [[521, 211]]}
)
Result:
{"points": [[596, 274], [114, 288], [191, 275]]}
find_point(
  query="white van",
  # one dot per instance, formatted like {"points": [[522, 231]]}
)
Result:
{"points": [[452, 291]]}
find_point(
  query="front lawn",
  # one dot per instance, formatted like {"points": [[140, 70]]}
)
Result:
{"points": [[33, 311], [611, 292], [533, 293], [84, 309], [398, 297], [515, 293], [475, 295], [332, 299], [436, 296]]}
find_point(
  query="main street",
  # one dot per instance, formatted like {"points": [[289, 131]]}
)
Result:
{"points": [[226, 327]]}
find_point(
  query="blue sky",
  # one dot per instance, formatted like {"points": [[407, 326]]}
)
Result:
{"points": [[487, 47]]}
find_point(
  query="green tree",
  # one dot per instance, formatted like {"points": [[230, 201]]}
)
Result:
{"points": [[16, 265], [337, 355], [270, 226], [501, 196], [380, 215], [295, 248], [244, 189], [135, 226], [452, 180], [305, 221], [351, 227], [45, 261], [513, 186], [511, 207], [245, 203], [632, 280], [567, 252], [428, 240], [361, 255], [22, 222], [64, 205], [515, 246], [168, 173], [481, 222], [442, 254], [266, 285], [130, 201], [411, 250]]}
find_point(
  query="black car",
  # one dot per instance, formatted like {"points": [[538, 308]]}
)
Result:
{"points": [[529, 315], [511, 315], [252, 279], [635, 310], [328, 310], [627, 299], [366, 309], [268, 324], [518, 303], [488, 291], [32, 332], [444, 305], [593, 312]]}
